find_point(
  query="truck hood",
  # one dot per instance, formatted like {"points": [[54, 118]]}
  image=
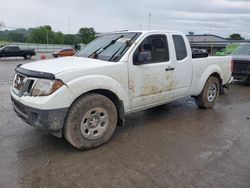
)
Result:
{"points": [[64, 64]]}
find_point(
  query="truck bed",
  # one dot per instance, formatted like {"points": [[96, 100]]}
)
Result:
{"points": [[206, 66]]}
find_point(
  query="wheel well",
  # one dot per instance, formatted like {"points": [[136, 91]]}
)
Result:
{"points": [[113, 97], [216, 75]]}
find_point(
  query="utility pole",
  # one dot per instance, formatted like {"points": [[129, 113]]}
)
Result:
{"points": [[69, 22], [47, 36], [149, 20], [47, 39], [140, 27]]}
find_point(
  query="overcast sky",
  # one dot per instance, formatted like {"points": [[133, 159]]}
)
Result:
{"points": [[220, 17]]}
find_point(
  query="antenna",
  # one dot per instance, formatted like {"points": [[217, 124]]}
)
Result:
{"points": [[2, 24], [149, 20]]}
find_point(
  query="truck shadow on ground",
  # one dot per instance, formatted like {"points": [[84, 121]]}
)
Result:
{"points": [[40, 141]]}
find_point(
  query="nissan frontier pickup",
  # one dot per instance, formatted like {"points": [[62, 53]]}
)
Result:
{"points": [[85, 97]]}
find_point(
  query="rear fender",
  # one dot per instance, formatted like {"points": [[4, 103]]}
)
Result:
{"points": [[213, 69]]}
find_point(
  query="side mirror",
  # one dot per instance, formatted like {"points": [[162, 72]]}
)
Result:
{"points": [[142, 58], [199, 53]]}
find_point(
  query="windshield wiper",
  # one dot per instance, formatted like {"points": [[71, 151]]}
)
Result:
{"points": [[95, 54], [114, 55], [128, 44]]}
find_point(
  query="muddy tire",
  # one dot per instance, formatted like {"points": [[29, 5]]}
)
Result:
{"points": [[209, 94], [90, 122]]}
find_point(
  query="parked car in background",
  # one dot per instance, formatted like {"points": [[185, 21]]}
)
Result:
{"points": [[64, 52], [15, 51], [199, 53], [241, 65]]}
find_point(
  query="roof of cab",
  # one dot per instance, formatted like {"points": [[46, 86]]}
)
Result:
{"points": [[142, 31]]}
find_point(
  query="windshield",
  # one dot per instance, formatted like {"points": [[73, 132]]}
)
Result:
{"points": [[242, 50], [110, 47]]}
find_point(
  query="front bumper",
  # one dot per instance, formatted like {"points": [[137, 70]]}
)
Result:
{"points": [[48, 120], [226, 85], [230, 80]]}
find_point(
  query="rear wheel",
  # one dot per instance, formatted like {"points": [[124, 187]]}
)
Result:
{"points": [[27, 56], [91, 121], [209, 94]]}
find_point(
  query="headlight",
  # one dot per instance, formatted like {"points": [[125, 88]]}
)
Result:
{"points": [[44, 87]]}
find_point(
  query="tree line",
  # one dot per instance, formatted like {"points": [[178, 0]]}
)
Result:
{"points": [[236, 36], [45, 34]]}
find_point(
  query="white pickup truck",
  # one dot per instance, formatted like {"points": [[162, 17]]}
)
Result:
{"points": [[85, 97]]}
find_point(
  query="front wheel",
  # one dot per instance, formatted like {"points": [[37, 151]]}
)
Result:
{"points": [[90, 122], [209, 94]]}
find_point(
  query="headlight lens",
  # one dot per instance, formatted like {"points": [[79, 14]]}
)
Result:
{"points": [[44, 87]]}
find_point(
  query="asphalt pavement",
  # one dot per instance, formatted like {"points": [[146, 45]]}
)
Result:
{"points": [[174, 145]]}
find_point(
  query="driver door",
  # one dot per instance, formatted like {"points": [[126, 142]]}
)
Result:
{"points": [[151, 73]]}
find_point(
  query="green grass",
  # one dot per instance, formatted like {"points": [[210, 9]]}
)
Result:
{"points": [[3, 42]]}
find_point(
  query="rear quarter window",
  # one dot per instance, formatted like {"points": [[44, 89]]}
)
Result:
{"points": [[180, 47]]}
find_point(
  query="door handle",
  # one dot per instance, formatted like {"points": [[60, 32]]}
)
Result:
{"points": [[169, 69]]}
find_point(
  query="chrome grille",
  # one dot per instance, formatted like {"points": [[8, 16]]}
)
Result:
{"points": [[23, 85], [18, 82]]}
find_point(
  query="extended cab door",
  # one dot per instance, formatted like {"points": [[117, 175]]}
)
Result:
{"points": [[14, 51], [183, 65], [151, 72]]}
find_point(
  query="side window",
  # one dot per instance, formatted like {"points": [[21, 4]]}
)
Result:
{"points": [[13, 49], [153, 49], [180, 47]]}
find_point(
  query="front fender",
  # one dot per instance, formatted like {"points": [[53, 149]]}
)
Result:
{"points": [[85, 84], [200, 80]]}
